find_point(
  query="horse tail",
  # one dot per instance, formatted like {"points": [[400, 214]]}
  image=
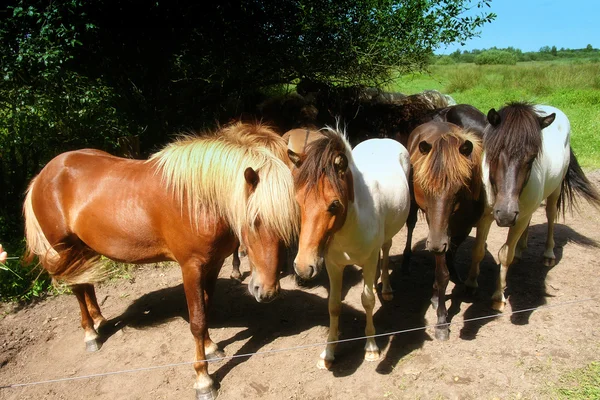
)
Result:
{"points": [[576, 183], [70, 265]]}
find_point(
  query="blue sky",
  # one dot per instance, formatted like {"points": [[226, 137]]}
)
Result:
{"points": [[531, 24]]}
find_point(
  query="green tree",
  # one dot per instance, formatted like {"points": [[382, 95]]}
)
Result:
{"points": [[79, 73]]}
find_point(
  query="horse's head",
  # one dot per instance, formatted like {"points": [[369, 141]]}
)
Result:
{"points": [[512, 143], [446, 176], [273, 222], [324, 189]]}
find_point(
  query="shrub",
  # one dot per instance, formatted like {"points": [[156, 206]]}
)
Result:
{"points": [[445, 60], [495, 57]]}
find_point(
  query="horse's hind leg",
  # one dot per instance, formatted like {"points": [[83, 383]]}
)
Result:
{"points": [[92, 306], [368, 302], [386, 290], [551, 211], [87, 300]]}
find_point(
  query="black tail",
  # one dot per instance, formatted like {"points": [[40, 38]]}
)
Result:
{"points": [[576, 184]]}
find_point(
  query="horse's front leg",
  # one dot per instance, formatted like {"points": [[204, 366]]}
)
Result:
{"points": [[411, 222], [442, 276], [211, 349], [478, 252], [551, 211], [506, 256], [235, 272], [368, 302], [522, 243], [196, 301], [386, 289], [335, 273]]}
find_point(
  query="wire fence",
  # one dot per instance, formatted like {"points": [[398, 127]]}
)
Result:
{"points": [[294, 348]]}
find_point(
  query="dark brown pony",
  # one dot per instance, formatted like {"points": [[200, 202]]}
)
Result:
{"points": [[189, 203], [446, 186]]}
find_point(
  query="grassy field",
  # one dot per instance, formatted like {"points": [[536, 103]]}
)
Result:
{"points": [[573, 87]]}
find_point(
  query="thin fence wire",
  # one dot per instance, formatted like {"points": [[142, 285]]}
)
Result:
{"points": [[294, 348]]}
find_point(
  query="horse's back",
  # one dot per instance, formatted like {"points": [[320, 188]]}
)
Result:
{"points": [[549, 170], [385, 166], [80, 193]]}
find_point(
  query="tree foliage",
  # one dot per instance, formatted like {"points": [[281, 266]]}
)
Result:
{"points": [[78, 73]]}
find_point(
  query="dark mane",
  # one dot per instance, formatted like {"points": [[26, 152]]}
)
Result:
{"points": [[518, 134], [320, 156]]}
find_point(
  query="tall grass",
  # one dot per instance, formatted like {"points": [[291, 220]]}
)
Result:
{"points": [[572, 87]]}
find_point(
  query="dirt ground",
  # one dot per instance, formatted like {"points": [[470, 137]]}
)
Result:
{"points": [[506, 357]]}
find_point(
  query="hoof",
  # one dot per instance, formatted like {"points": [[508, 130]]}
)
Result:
{"points": [[549, 262], [236, 276], [206, 394], [388, 296], [324, 364], [372, 355], [215, 355], [442, 334], [498, 305], [93, 345]]}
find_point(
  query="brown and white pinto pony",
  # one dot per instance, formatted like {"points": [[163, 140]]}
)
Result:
{"points": [[352, 203], [188, 203], [527, 159], [446, 186]]}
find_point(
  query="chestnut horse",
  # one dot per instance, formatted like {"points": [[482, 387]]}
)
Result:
{"points": [[296, 140], [446, 185], [189, 203], [352, 203], [527, 159]]}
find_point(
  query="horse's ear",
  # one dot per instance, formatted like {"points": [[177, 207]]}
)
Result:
{"points": [[295, 158], [547, 120], [424, 147], [466, 148], [251, 177], [493, 117], [340, 163]]}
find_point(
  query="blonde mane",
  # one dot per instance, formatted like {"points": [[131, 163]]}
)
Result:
{"points": [[206, 174], [445, 169]]}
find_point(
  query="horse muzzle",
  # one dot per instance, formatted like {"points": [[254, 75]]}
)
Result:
{"points": [[310, 269], [260, 293], [505, 218]]}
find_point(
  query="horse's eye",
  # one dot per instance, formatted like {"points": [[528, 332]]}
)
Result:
{"points": [[334, 207], [456, 206], [530, 162]]}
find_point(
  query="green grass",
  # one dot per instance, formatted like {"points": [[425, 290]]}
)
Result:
{"points": [[583, 383], [574, 87]]}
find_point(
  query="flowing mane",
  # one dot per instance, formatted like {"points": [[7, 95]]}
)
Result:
{"points": [[319, 160], [206, 173], [518, 134], [443, 168]]}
